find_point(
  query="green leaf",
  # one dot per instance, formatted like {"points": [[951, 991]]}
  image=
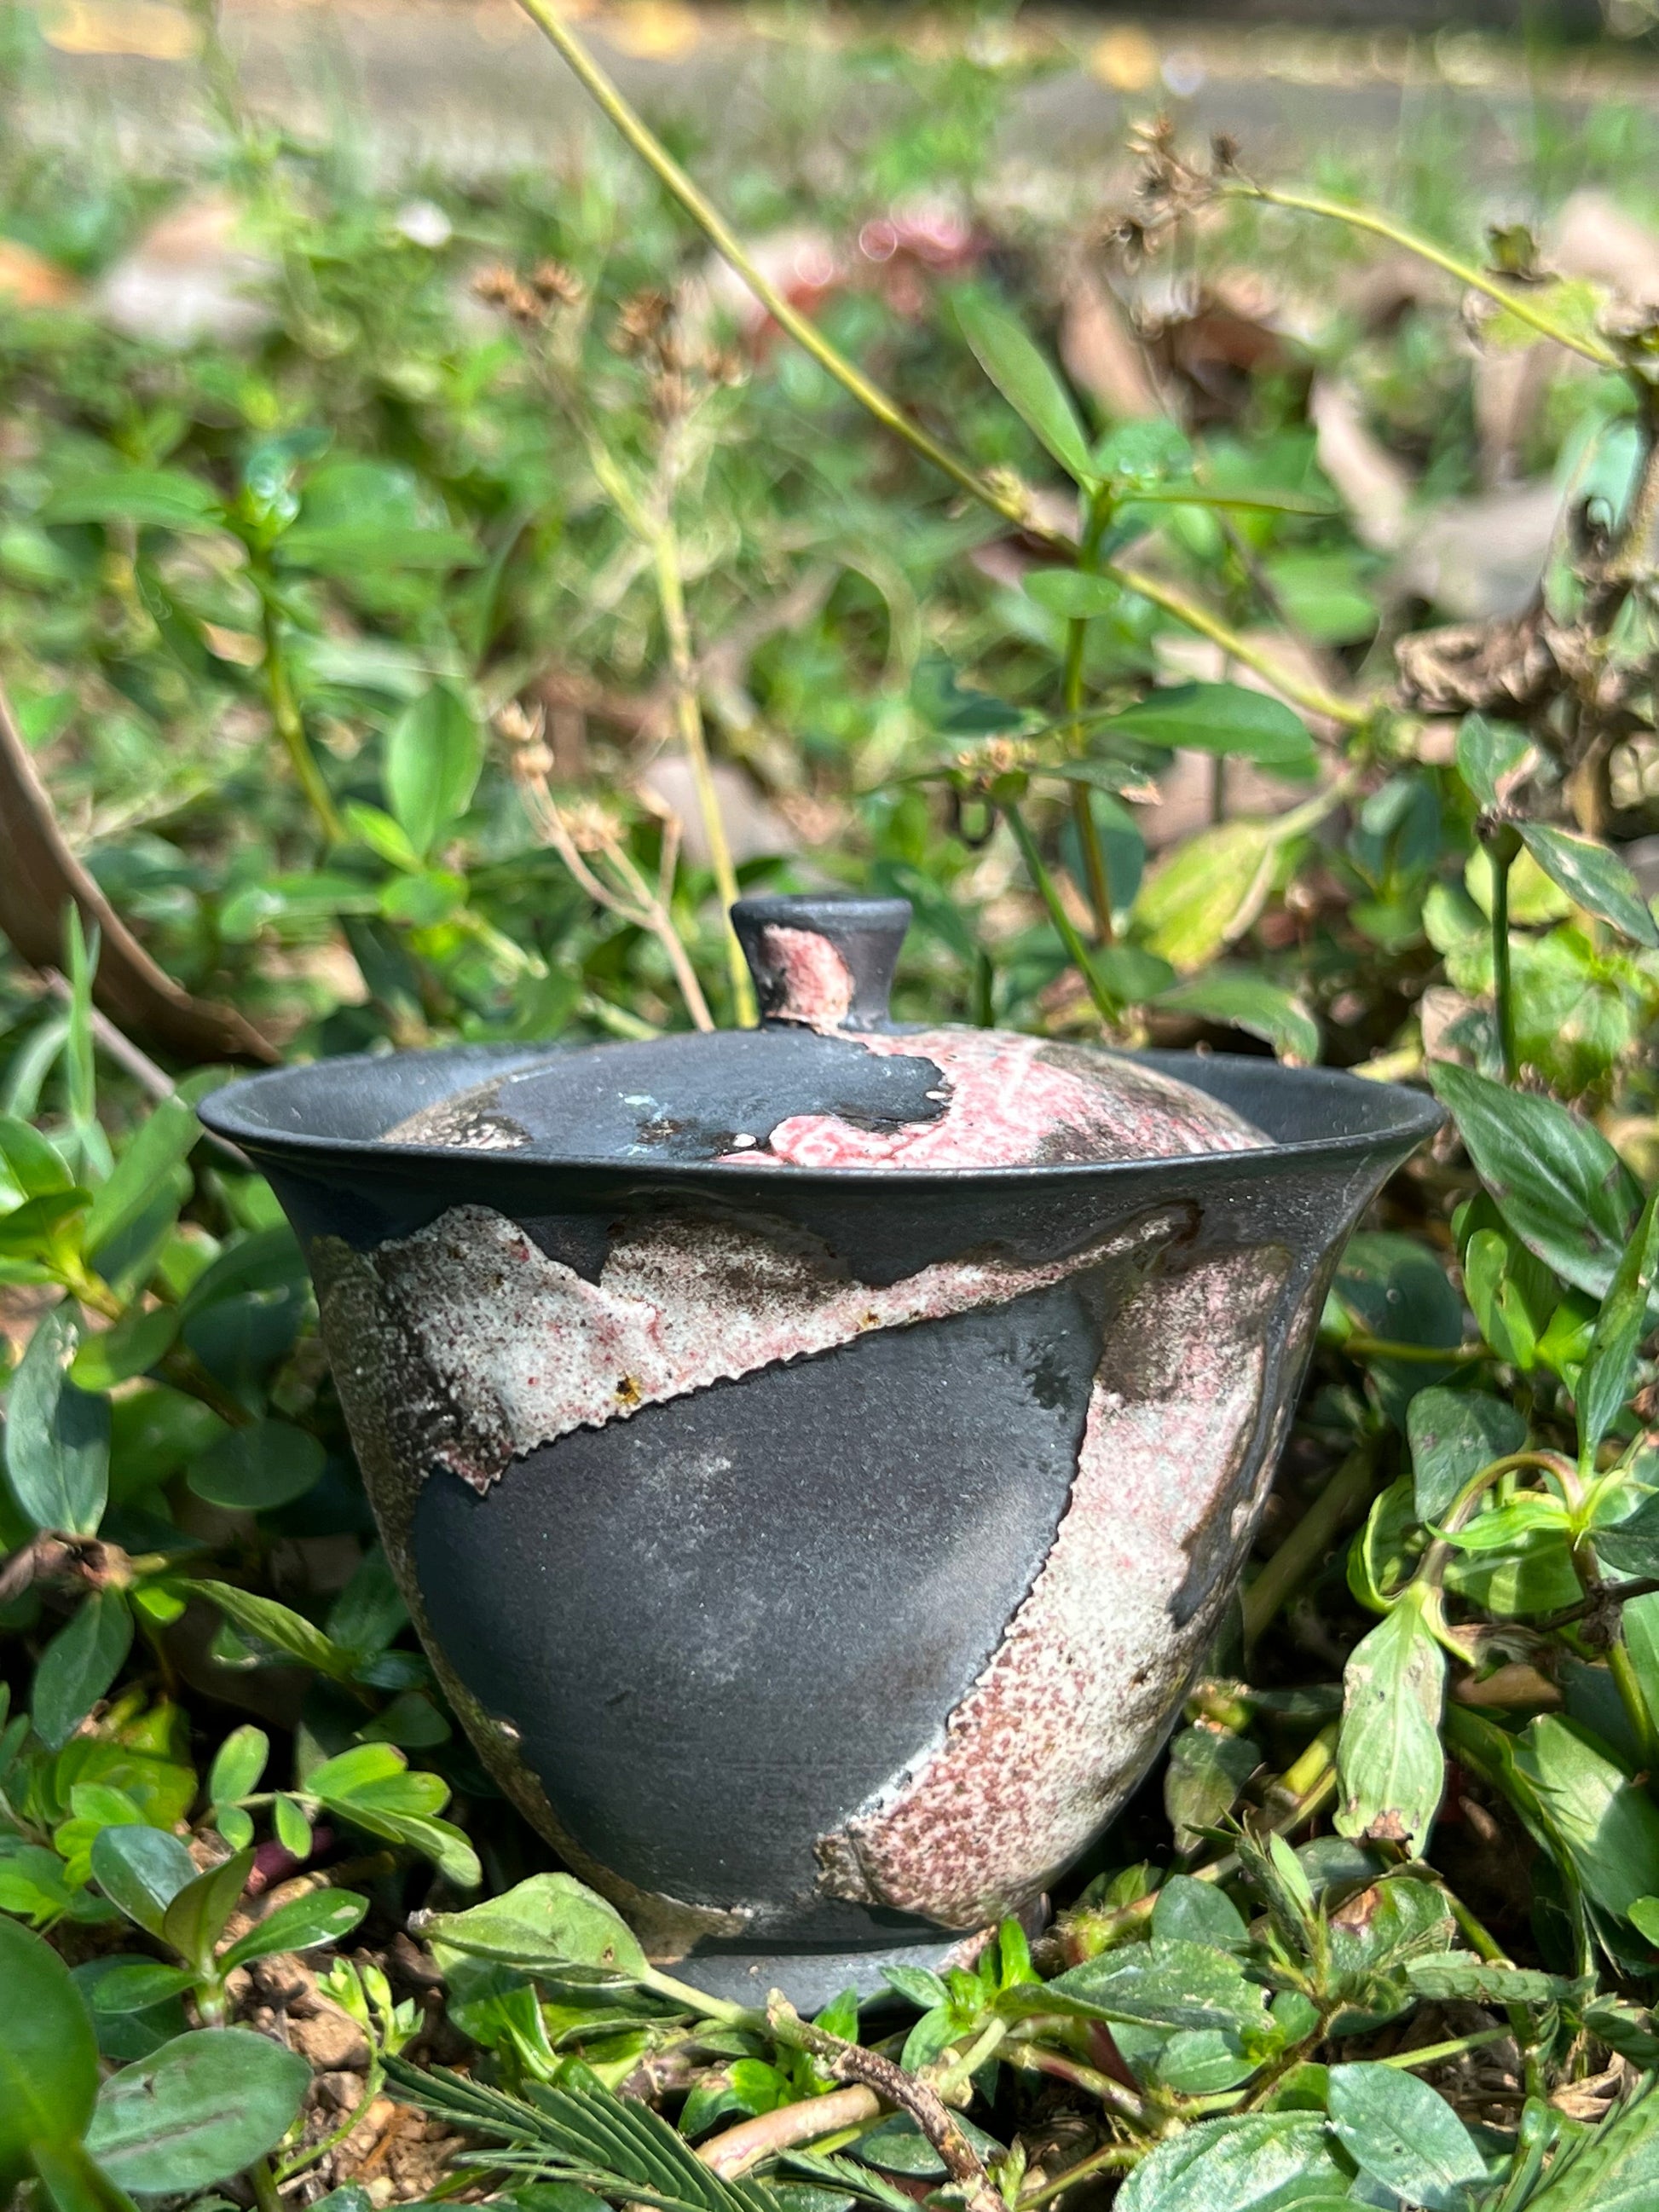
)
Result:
{"points": [[164, 1139], [1388, 1757], [1616, 2171], [252, 1469], [238, 1765], [74, 2182], [324, 1916], [1460, 1978], [1631, 1546], [1606, 1823], [1192, 904], [35, 1166], [1251, 1003], [293, 1829], [552, 1924], [79, 1664], [1073, 592], [433, 757], [1493, 757], [57, 1442], [48, 2056], [1197, 1913], [135, 1988], [1256, 2162], [1609, 1368], [276, 1625], [195, 1918], [348, 549], [1405, 2136], [1558, 1182], [1161, 1983], [131, 1347], [1452, 1435], [141, 1870], [1594, 878], [201, 2109], [1206, 1771], [1220, 717], [1026, 381], [165, 497]]}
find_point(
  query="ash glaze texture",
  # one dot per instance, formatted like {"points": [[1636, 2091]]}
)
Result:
{"points": [[818, 1535]]}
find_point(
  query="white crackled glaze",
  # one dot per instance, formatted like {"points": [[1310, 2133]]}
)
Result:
{"points": [[1058, 1728], [520, 1349]]}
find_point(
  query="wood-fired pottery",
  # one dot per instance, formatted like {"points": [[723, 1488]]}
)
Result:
{"points": [[817, 1457]]}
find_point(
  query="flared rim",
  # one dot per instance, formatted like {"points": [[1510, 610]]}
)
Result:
{"points": [[279, 1115]]}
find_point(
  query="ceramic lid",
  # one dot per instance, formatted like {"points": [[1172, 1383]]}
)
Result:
{"points": [[828, 1081]]}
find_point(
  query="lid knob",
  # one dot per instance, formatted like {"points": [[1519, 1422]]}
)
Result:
{"points": [[826, 960]]}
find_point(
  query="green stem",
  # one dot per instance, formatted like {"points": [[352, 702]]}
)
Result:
{"points": [[1115, 2159], [1431, 2054], [1622, 1670], [688, 716], [1105, 1006], [1343, 1499], [1011, 504], [951, 2080], [1380, 226], [1083, 808], [1501, 848], [1363, 1345], [263, 2181], [290, 725], [693, 2000]]}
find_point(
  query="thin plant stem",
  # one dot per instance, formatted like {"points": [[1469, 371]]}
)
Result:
{"points": [[1011, 504], [1622, 1670], [1343, 1500], [291, 724], [688, 717], [1501, 850], [1477, 280], [1365, 1347], [1433, 2054], [1115, 2159], [1105, 1006], [1083, 806], [1036, 2058], [262, 2182]]}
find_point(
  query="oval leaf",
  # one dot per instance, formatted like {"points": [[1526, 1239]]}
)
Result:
{"points": [[48, 2057], [57, 1442], [1026, 381], [1592, 878], [197, 2111], [1405, 2136], [252, 1469]]}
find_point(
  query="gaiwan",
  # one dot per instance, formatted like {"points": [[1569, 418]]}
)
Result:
{"points": [[818, 1457]]}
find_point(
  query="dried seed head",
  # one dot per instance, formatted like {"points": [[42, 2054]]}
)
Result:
{"points": [[522, 732], [498, 286], [591, 827], [641, 321], [557, 285]]}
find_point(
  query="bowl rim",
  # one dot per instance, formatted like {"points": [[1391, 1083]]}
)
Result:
{"points": [[1415, 1115]]}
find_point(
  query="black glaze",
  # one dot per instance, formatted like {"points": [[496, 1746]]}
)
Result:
{"points": [[693, 1098], [789, 1527], [717, 1625]]}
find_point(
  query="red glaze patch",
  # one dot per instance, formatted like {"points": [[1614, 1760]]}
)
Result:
{"points": [[1058, 1729], [1014, 1101], [815, 983]]}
